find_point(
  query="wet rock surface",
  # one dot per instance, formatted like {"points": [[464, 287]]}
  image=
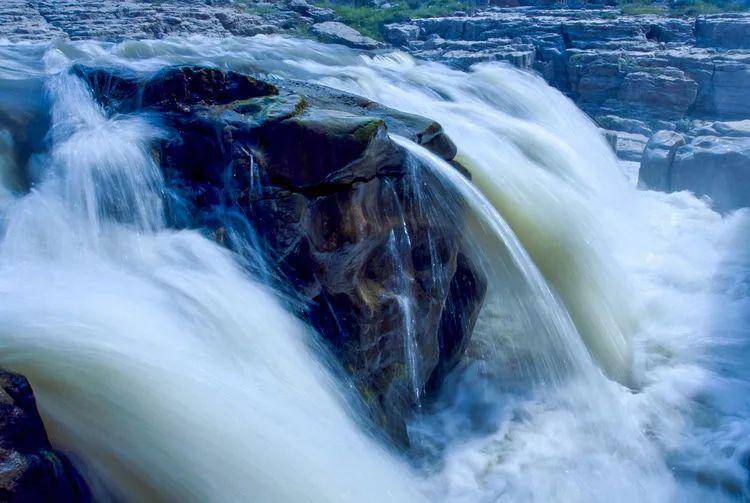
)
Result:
{"points": [[30, 469], [308, 178]]}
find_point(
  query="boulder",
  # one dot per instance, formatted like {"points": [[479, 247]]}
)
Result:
{"points": [[173, 89], [728, 128], [658, 157], [338, 33], [30, 469], [671, 30], [626, 125], [731, 86], [317, 14], [628, 146], [715, 167], [581, 30], [595, 77], [400, 34], [338, 215]]}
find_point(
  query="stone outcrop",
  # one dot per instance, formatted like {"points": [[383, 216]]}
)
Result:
{"points": [[306, 183], [702, 162], [651, 69], [30, 470], [338, 33], [658, 157]]}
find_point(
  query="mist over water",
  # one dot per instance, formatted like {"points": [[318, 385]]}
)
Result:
{"points": [[608, 363]]}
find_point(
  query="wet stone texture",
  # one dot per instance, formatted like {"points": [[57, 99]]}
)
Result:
{"points": [[305, 183], [30, 470]]}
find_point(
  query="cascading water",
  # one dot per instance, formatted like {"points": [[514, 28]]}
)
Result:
{"points": [[607, 363], [156, 362]]}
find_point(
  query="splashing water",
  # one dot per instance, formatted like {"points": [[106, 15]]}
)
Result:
{"points": [[156, 362], [608, 363]]}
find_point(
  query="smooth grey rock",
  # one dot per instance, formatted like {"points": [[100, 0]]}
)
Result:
{"points": [[630, 146], [657, 160], [729, 31], [715, 167], [613, 122], [711, 166], [339, 33], [731, 87], [718, 128], [733, 128], [400, 34]]}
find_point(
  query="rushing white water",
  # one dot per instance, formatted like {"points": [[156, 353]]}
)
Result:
{"points": [[156, 362], [607, 364]]}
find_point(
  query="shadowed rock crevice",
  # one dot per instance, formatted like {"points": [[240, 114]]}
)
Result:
{"points": [[30, 470]]}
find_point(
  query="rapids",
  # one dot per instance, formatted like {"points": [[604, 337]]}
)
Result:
{"points": [[608, 363]]}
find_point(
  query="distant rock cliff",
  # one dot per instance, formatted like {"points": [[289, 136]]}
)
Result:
{"points": [[635, 75]]}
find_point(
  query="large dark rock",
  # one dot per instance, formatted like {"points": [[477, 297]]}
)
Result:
{"points": [[173, 89], [307, 178], [30, 470]]}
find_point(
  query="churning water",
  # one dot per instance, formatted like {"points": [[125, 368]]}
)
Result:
{"points": [[608, 363]]}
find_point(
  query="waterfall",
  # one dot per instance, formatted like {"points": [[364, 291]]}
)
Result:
{"points": [[607, 364], [157, 363]]}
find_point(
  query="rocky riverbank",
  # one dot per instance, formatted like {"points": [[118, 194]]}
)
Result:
{"points": [[115, 20], [635, 75]]}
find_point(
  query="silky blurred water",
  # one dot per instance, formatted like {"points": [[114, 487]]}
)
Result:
{"points": [[608, 363]]}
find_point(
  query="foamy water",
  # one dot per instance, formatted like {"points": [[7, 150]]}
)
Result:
{"points": [[607, 364]]}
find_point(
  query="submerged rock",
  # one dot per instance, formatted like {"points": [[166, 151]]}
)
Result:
{"points": [[307, 178], [729, 31], [30, 470]]}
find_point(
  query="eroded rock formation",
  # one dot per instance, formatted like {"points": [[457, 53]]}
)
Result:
{"points": [[656, 70], [308, 178]]}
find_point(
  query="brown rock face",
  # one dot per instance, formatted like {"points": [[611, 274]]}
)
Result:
{"points": [[30, 470], [306, 184]]}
